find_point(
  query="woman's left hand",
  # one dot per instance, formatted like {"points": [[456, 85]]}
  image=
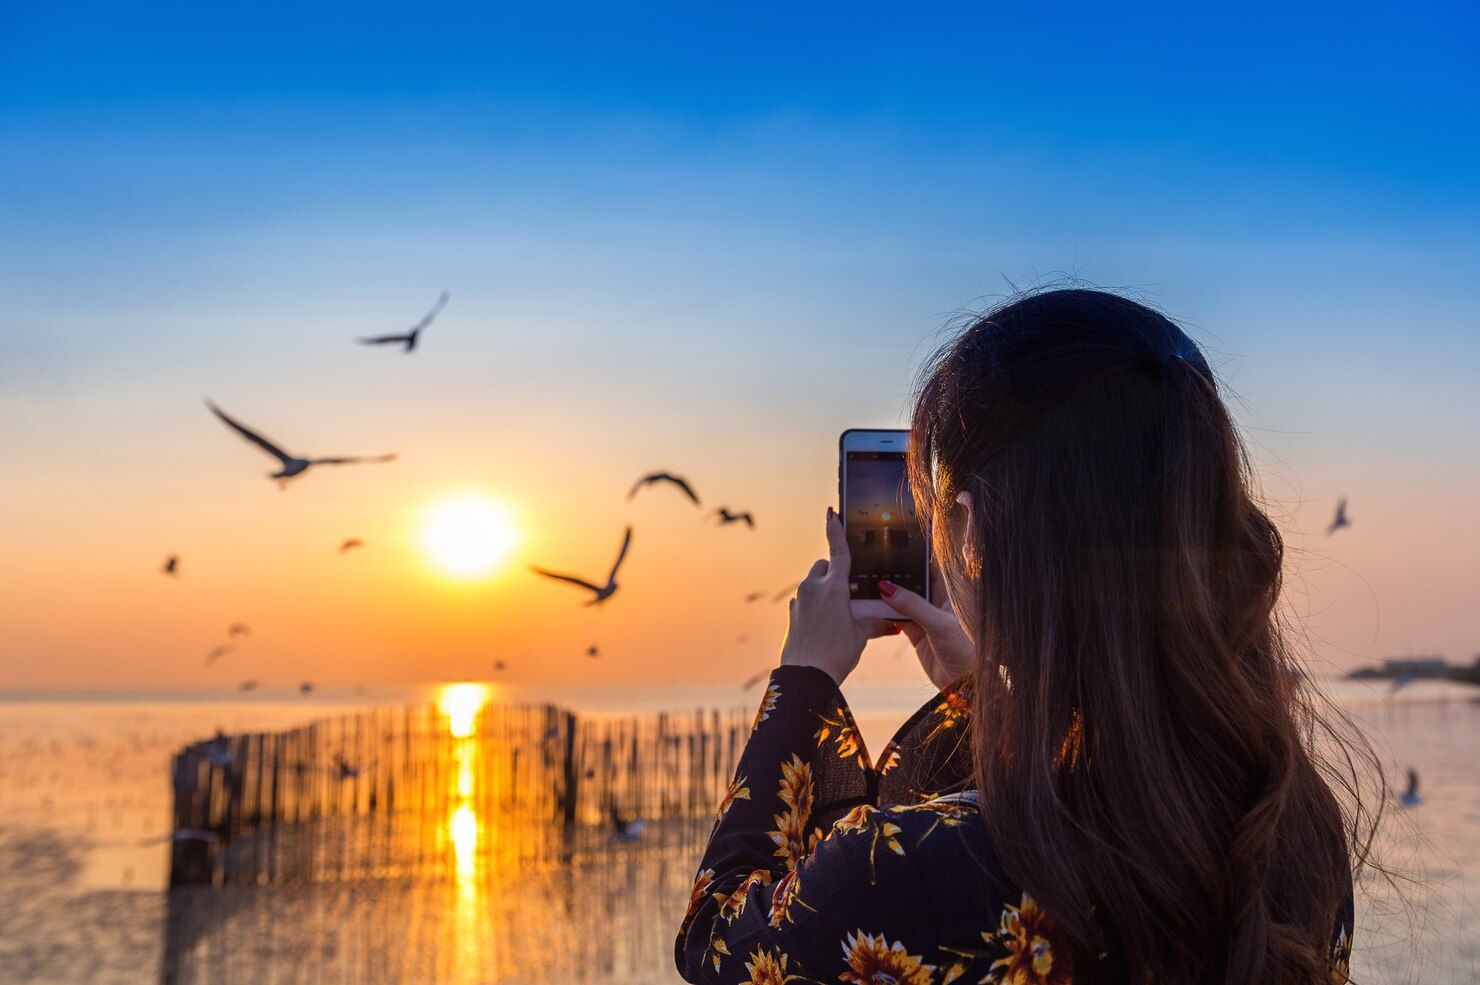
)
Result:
{"points": [[823, 632]]}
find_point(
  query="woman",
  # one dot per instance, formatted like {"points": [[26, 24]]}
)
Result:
{"points": [[1115, 783]]}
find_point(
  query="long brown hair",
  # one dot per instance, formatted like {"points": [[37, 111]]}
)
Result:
{"points": [[1142, 736]]}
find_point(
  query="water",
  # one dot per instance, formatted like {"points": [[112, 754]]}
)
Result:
{"points": [[84, 785]]}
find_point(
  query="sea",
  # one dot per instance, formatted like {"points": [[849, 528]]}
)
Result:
{"points": [[85, 817]]}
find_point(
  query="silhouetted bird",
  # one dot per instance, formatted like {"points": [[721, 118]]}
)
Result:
{"points": [[171, 565], [602, 592], [624, 830], [306, 688], [217, 652], [726, 517], [238, 629], [343, 769], [593, 651], [678, 481], [1340, 520], [751, 682], [755, 596], [351, 544], [786, 592], [408, 338], [291, 465], [498, 665], [218, 750], [1410, 797], [247, 686]]}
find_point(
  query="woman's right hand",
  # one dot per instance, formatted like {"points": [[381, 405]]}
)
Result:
{"points": [[944, 649]]}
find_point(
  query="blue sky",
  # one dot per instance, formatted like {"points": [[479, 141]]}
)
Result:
{"points": [[748, 222]]}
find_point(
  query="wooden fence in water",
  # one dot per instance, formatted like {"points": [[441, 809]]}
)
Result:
{"points": [[521, 766]]}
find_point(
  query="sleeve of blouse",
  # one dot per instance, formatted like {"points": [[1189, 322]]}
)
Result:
{"points": [[803, 767], [852, 910]]}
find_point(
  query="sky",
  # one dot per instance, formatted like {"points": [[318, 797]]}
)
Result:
{"points": [[706, 239]]}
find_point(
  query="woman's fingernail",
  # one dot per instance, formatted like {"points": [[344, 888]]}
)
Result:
{"points": [[829, 514], [887, 589]]}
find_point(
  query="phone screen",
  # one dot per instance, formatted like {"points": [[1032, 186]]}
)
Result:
{"points": [[879, 516]]}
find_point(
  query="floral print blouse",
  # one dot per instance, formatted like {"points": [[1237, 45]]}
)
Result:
{"points": [[825, 867]]}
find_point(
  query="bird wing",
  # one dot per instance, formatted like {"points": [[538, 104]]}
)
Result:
{"points": [[250, 435], [383, 339], [749, 520], [642, 482], [572, 579], [626, 541], [431, 315], [683, 484], [1341, 507], [354, 459]]}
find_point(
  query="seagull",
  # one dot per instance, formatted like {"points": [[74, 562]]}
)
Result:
{"points": [[408, 338], [752, 681], [171, 565], [602, 592], [238, 629], [755, 596], [306, 688], [247, 686], [1410, 797], [291, 466], [350, 544], [726, 517], [593, 651], [678, 481], [218, 750], [217, 652], [786, 593], [1340, 520], [624, 830]]}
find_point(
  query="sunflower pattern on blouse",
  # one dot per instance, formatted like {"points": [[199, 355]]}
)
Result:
{"points": [[895, 890]]}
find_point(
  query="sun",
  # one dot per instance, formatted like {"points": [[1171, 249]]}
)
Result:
{"points": [[468, 537]]}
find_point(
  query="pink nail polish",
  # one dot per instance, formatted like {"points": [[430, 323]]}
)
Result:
{"points": [[887, 589]]}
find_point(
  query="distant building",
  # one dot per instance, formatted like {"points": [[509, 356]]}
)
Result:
{"points": [[1415, 668]]}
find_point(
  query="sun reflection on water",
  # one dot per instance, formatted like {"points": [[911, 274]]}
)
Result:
{"points": [[462, 703]]}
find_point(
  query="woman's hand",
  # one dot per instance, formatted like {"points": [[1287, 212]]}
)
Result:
{"points": [[823, 632], [944, 649]]}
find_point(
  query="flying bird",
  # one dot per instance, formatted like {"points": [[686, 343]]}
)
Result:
{"points": [[1340, 519], [306, 688], [217, 652], [726, 517], [350, 544], [171, 565], [238, 629], [498, 665], [755, 596], [408, 338], [786, 593], [601, 592], [593, 651], [343, 769], [245, 686], [678, 481], [755, 679], [291, 465]]}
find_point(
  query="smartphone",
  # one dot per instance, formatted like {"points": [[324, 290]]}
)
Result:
{"points": [[879, 518]]}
